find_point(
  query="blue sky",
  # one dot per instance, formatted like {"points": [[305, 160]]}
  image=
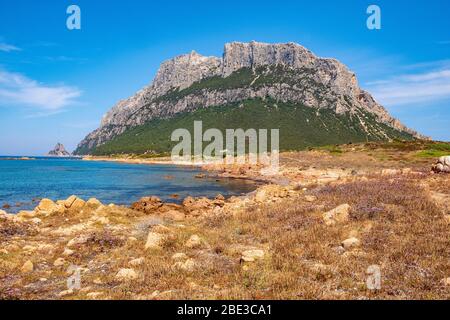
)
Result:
{"points": [[55, 84]]}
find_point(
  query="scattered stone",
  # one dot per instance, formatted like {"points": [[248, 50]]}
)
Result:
{"points": [[252, 255], [26, 214], [46, 205], [137, 262], [93, 203], [446, 282], [179, 256], [59, 262], [390, 172], [339, 250], [175, 215], [68, 252], [442, 165], [94, 295], [27, 267], [188, 266], [194, 242], [310, 198], [36, 220], [154, 241], [219, 200], [148, 205], [77, 205], [70, 200], [337, 215], [3, 251], [65, 293], [197, 206], [126, 275], [351, 243]]}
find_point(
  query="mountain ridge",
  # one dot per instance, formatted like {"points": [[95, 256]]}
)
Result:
{"points": [[291, 73]]}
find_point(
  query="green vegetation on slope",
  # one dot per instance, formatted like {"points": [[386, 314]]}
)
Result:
{"points": [[300, 127], [245, 78]]}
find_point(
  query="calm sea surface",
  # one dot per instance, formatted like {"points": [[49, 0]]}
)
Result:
{"points": [[23, 183]]}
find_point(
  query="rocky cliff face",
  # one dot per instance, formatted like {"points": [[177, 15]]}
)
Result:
{"points": [[286, 72], [59, 151]]}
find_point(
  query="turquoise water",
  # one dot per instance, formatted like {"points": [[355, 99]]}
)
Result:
{"points": [[23, 183]]}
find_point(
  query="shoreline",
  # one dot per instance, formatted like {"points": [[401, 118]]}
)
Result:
{"points": [[319, 229]]}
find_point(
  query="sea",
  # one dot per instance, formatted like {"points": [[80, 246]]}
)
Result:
{"points": [[23, 183]]}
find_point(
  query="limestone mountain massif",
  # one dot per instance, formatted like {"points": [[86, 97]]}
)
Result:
{"points": [[279, 73]]}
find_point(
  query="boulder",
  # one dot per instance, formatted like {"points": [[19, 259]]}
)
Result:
{"points": [[27, 214], [271, 192], [446, 282], [59, 262], [154, 240], [93, 203], [339, 214], [194, 242], [197, 206], [175, 215], [351, 243], [187, 266], [48, 207], [77, 205], [252, 255], [442, 165], [125, 275], [27, 267], [68, 252], [70, 200], [147, 205], [309, 198]]}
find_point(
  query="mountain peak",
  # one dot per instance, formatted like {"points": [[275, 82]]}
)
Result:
{"points": [[286, 72]]}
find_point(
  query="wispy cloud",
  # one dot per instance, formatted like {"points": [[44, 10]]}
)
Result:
{"points": [[8, 47], [17, 89], [413, 88]]}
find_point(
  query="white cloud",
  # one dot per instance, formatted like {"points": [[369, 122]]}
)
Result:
{"points": [[8, 47], [412, 88], [17, 89]]}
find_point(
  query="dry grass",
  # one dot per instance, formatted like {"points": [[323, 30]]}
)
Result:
{"points": [[401, 227]]}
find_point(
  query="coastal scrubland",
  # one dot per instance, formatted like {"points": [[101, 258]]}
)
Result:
{"points": [[310, 232]]}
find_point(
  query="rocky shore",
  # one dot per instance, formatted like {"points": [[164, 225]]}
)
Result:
{"points": [[310, 232]]}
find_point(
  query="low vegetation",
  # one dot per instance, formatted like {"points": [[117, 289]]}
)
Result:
{"points": [[313, 237], [300, 127]]}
